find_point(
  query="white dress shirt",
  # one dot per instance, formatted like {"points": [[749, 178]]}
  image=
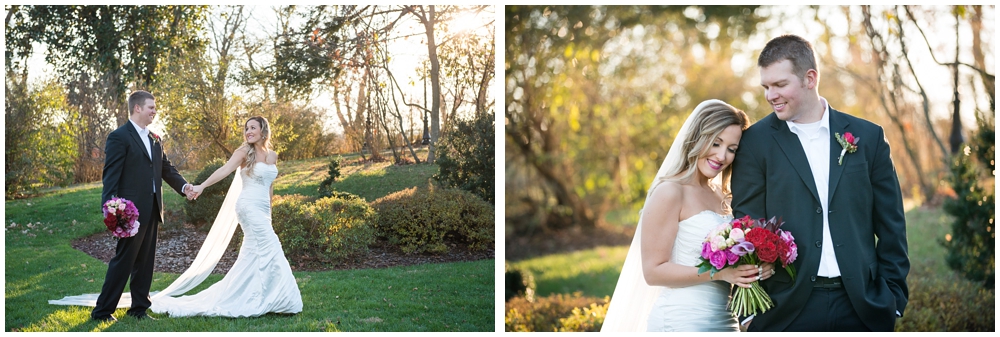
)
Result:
{"points": [[144, 135], [815, 139]]}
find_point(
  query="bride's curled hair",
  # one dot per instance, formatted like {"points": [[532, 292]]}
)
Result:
{"points": [[708, 120], [264, 142]]}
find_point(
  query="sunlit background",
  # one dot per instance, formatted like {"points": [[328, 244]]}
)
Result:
{"points": [[595, 95], [327, 76]]}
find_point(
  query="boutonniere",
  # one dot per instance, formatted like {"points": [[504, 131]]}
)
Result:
{"points": [[155, 137], [848, 142]]}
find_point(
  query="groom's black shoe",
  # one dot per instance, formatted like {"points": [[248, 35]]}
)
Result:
{"points": [[107, 318], [142, 316]]}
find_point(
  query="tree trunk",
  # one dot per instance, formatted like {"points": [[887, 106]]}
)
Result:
{"points": [[428, 22], [977, 54], [955, 140]]}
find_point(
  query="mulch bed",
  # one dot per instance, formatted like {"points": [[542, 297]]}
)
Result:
{"points": [[177, 247]]}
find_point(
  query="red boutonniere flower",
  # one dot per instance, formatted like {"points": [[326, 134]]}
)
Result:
{"points": [[155, 137], [848, 142]]}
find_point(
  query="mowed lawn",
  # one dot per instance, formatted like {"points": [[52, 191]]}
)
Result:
{"points": [[41, 265]]}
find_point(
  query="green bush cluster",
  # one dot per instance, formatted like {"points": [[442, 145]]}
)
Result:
{"points": [[519, 283], [466, 156], [939, 303], [329, 229], [332, 173], [425, 219], [202, 212], [971, 249], [559, 312]]}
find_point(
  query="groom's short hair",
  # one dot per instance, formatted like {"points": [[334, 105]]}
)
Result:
{"points": [[137, 98], [792, 48]]}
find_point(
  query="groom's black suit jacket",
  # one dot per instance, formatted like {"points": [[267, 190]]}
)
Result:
{"points": [[771, 177], [130, 173]]}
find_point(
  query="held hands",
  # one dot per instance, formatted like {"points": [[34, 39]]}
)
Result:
{"points": [[192, 192], [743, 275]]}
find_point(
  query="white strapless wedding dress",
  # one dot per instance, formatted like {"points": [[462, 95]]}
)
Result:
{"points": [[701, 307], [260, 280]]}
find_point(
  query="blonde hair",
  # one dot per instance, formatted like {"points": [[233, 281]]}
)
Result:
{"points": [[265, 136], [713, 117]]}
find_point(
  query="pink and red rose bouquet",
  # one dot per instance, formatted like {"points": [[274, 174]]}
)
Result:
{"points": [[121, 217], [748, 241]]}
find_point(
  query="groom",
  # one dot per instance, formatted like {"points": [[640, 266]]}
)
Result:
{"points": [[135, 168], [846, 216]]}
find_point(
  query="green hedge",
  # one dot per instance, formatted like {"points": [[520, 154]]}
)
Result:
{"points": [[559, 312], [425, 219], [947, 303], [330, 229], [202, 212]]}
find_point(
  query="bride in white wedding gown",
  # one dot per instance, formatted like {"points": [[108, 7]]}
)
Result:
{"points": [[659, 288], [260, 281]]}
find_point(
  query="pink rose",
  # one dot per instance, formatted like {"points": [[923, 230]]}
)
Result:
{"points": [[849, 137], [706, 250], [718, 259]]}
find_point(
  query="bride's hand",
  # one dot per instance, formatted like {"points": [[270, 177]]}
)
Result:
{"points": [[196, 191], [740, 276]]}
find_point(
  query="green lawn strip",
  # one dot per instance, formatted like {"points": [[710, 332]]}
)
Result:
{"points": [[595, 271], [41, 265]]}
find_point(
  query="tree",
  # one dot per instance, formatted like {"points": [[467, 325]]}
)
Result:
{"points": [[100, 53], [595, 95], [466, 158], [972, 242], [39, 150]]}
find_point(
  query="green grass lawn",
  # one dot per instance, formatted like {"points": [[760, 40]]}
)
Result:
{"points": [[595, 271], [40, 265]]}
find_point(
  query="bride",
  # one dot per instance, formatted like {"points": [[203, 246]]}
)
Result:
{"points": [[662, 290], [260, 281]]}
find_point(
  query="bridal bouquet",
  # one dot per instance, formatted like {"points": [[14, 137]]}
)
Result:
{"points": [[748, 241], [121, 217]]}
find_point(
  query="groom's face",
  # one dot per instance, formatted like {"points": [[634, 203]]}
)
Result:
{"points": [[784, 90], [144, 112]]}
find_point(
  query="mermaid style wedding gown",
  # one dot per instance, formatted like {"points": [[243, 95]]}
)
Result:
{"points": [[260, 280], [701, 307]]}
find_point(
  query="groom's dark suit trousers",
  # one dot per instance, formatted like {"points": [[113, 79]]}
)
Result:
{"points": [[133, 257], [827, 309]]}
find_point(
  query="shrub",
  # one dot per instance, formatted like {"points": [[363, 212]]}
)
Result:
{"points": [[345, 226], [466, 156], [332, 173], [519, 283], [202, 212], [559, 312], [589, 319], [329, 229], [424, 219], [973, 238], [947, 303]]}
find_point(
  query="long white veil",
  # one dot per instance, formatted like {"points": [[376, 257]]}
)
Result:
{"points": [[211, 252], [633, 298]]}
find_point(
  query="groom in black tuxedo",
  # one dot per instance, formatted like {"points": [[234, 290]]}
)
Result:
{"points": [[135, 168], [846, 216]]}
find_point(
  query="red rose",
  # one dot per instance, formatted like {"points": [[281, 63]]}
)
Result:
{"points": [[757, 236], [767, 252], [783, 252], [849, 137], [110, 222]]}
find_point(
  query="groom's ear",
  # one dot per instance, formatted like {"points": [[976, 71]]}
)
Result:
{"points": [[811, 78]]}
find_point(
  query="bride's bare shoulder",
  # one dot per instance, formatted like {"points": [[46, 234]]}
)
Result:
{"points": [[668, 191]]}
